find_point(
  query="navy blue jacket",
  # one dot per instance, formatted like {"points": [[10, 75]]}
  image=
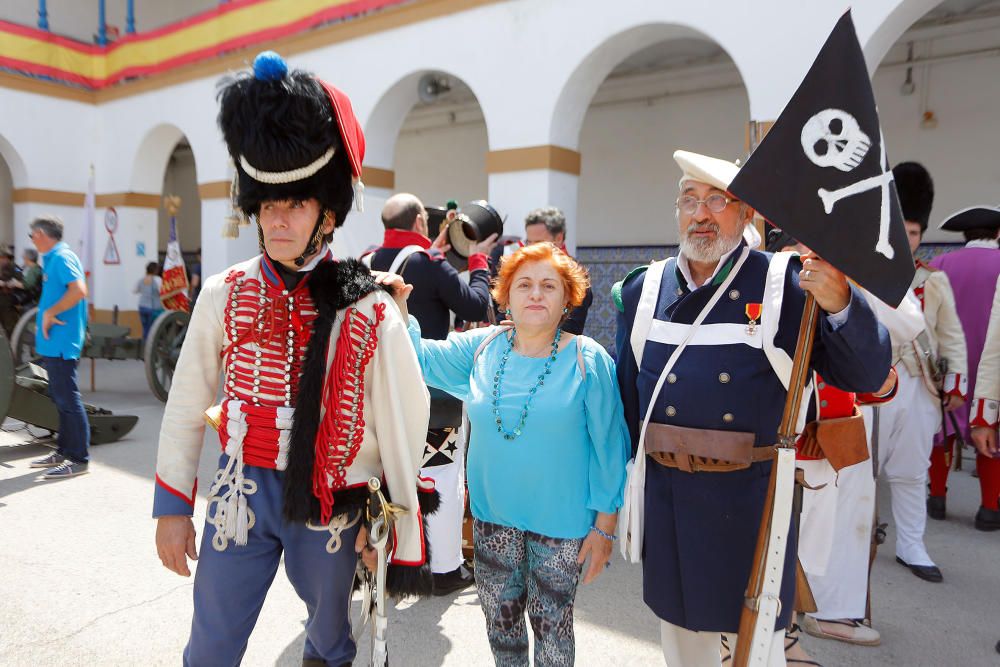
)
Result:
{"points": [[701, 528], [438, 290]]}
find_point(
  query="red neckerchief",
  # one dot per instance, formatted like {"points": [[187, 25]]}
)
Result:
{"points": [[400, 238]]}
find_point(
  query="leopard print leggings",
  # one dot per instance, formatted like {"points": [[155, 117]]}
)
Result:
{"points": [[517, 572]]}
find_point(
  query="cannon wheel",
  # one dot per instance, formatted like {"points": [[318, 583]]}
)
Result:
{"points": [[22, 338], [163, 347]]}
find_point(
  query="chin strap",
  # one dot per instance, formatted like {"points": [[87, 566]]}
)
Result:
{"points": [[314, 242], [311, 248]]}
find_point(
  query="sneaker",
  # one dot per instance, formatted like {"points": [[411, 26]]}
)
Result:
{"points": [[456, 580], [50, 461], [66, 469]]}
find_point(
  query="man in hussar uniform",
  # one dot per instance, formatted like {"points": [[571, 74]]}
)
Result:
{"points": [[321, 389], [973, 271], [908, 424], [709, 430]]}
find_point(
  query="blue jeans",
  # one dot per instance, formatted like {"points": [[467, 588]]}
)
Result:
{"points": [[74, 430], [147, 316]]}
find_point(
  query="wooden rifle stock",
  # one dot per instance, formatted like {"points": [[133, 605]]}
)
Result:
{"points": [[786, 438]]}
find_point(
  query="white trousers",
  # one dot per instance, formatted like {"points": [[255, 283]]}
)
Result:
{"points": [[687, 648], [839, 583], [444, 527], [907, 426]]}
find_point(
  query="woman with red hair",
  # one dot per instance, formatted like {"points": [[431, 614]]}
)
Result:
{"points": [[546, 461]]}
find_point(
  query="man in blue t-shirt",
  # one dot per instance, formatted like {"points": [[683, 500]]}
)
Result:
{"points": [[61, 324]]}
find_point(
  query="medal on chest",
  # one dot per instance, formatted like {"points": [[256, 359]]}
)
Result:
{"points": [[753, 311]]}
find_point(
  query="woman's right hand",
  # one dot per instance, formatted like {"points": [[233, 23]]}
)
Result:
{"points": [[398, 287]]}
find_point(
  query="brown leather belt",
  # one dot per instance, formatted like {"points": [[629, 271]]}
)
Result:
{"points": [[703, 450]]}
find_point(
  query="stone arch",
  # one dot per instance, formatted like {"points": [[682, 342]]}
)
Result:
{"points": [[581, 85], [891, 28], [390, 112], [15, 164], [12, 175]]}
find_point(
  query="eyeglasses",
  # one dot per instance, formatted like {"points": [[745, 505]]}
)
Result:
{"points": [[715, 203]]}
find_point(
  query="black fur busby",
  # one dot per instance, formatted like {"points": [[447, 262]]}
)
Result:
{"points": [[916, 192], [280, 121]]}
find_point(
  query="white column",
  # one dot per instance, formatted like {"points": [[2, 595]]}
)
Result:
{"points": [[362, 230], [515, 193], [217, 253]]}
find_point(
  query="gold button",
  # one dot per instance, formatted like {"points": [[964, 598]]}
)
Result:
{"points": [[671, 411], [822, 404], [671, 378], [821, 385], [728, 417], [734, 294], [723, 378]]}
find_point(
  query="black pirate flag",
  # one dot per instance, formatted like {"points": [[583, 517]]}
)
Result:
{"points": [[822, 173]]}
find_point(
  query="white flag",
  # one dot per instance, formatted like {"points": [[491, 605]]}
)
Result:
{"points": [[86, 250]]}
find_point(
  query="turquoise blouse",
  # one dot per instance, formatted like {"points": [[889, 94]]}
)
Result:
{"points": [[569, 462]]}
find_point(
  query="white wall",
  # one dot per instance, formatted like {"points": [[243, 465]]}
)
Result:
{"points": [[443, 163]]}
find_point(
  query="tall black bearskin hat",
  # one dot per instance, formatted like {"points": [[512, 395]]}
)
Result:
{"points": [[916, 192], [291, 136]]}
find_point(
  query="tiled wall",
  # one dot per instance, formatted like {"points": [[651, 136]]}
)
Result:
{"points": [[609, 264]]}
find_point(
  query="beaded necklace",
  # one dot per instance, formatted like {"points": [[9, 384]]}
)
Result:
{"points": [[511, 435]]}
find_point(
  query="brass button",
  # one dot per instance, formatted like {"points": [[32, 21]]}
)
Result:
{"points": [[821, 385], [822, 404], [671, 411], [734, 294], [728, 417], [723, 378], [671, 378]]}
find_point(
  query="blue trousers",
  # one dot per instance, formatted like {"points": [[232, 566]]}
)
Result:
{"points": [[230, 585], [147, 316], [74, 430]]}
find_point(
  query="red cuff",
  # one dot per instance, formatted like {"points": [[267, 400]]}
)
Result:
{"points": [[955, 384], [984, 413], [478, 262]]}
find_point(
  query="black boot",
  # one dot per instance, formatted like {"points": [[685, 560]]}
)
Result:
{"points": [[987, 520], [936, 507]]}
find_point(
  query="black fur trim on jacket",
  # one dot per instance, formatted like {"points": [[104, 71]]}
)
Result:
{"points": [[333, 286]]}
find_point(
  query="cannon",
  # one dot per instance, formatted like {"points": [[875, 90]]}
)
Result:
{"points": [[159, 352], [24, 397]]}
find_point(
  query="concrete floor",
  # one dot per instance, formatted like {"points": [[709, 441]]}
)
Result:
{"points": [[81, 583]]}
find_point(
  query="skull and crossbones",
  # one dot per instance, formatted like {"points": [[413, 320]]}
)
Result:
{"points": [[833, 138]]}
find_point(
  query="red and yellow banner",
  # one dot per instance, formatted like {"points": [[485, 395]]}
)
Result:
{"points": [[228, 27]]}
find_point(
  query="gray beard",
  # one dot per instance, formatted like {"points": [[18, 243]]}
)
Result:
{"points": [[708, 251]]}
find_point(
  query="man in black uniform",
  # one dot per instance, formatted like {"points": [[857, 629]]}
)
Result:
{"points": [[438, 290]]}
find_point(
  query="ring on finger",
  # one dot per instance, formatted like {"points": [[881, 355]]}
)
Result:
{"points": [[807, 274]]}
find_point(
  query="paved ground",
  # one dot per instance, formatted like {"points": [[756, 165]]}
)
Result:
{"points": [[81, 584]]}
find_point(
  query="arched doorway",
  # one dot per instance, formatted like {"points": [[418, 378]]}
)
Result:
{"points": [[640, 96], [442, 144], [6, 205], [426, 135], [180, 179], [938, 93]]}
